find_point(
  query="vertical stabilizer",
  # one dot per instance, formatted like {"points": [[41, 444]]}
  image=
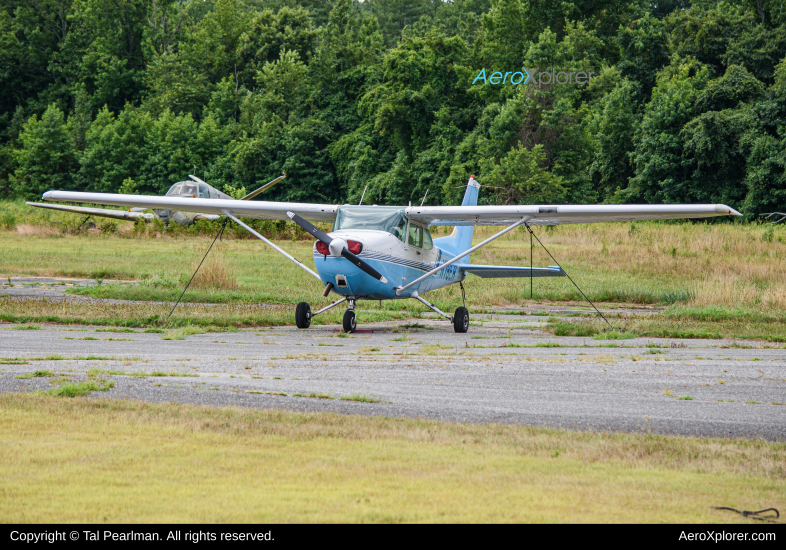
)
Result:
{"points": [[461, 238]]}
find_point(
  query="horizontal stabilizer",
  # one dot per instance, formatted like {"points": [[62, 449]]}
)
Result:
{"points": [[116, 214], [499, 271]]}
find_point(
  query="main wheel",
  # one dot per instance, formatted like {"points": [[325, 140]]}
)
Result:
{"points": [[303, 315], [461, 320], [350, 321]]}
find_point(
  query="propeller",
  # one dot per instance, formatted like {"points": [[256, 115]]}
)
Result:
{"points": [[338, 247]]}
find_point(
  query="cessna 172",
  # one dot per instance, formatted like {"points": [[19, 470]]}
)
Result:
{"points": [[191, 189], [387, 252]]}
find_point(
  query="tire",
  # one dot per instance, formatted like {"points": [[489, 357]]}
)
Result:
{"points": [[461, 320], [350, 320], [303, 315]]}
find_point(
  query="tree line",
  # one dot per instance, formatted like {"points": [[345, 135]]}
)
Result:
{"points": [[687, 100]]}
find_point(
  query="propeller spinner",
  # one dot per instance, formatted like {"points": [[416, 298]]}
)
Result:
{"points": [[336, 246]]}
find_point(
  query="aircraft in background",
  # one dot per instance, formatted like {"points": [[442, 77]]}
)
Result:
{"points": [[190, 189], [387, 252]]}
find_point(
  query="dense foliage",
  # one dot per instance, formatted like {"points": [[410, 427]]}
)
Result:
{"points": [[687, 102]]}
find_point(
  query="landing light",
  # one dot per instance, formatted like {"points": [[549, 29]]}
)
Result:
{"points": [[353, 246]]}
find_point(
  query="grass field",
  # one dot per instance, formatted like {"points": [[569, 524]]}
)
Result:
{"points": [[97, 460], [713, 279]]}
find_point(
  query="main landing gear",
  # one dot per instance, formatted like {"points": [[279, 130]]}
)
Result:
{"points": [[303, 315]]}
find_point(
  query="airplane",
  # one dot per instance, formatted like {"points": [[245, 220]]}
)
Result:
{"points": [[193, 189], [387, 252]]}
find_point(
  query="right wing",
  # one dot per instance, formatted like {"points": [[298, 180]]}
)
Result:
{"points": [[117, 214], [263, 210]]}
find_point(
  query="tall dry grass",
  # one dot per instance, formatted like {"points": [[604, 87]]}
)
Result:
{"points": [[724, 264], [217, 272]]}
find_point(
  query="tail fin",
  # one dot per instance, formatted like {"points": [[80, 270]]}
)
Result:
{"points": [[461, 239]]}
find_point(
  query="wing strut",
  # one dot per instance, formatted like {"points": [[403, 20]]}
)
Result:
{"points": [[401, 289], [274, 247]]}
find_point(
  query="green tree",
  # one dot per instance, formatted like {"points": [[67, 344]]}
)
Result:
{"points": [[612, 124], [521, 178], [661, 175], [47, 159]]}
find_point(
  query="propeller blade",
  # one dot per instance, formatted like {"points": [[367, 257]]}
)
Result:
{"points": [[363, 265], [322, 236], [311, 228]]}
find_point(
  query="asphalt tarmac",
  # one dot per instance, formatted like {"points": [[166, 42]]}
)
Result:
{"points": [[505, 370]]}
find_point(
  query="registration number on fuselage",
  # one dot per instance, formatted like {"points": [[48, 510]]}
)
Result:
{"points": [[450, 272]]}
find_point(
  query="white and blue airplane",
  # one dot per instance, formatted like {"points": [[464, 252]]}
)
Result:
{"points": [[387, 252]]}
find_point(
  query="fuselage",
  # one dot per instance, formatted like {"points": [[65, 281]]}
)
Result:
{"points": [[194, 190], [391, 244]]}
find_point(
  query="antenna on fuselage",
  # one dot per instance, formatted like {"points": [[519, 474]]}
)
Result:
{"points": [[363, 195], [424, 198]]}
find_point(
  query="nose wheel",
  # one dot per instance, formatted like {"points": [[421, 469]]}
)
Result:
{"points": [[350, 320]]}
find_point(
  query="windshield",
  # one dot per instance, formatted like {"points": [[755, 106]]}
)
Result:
{"points": [[189, 189], [377, 218]]}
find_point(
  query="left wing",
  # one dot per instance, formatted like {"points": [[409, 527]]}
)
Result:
{"points": [[563, 214], [247, 209], [117, 214]]}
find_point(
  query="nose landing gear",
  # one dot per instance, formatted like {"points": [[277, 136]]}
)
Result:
{"points": [[350, 319]]}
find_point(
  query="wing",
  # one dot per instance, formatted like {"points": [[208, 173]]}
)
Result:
{"points": [[563, 214], [117, 214], [247, 209], [500, 271]]}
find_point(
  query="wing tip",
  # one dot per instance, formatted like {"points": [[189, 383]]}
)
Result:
{"points": [[726, 210]]}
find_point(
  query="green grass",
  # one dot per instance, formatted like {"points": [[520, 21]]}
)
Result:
{"points": [[363, 398], [38, 374], [315, 395], [181, 333], [202, 464], [26, 327], [679, 323], [80, 388]]}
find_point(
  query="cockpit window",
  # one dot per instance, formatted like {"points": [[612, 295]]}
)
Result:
{"points": [[189, 189], [377, 218]]}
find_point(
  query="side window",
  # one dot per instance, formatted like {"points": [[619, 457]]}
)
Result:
{"points": [[415, 235], [427, 243], [204, 193]]}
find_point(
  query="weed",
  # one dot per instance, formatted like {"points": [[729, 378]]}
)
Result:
{"points": [[685, 398], [26, 327], [315, 395], [181, 333], [79, 389], [38, 374], [363, 398]]}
